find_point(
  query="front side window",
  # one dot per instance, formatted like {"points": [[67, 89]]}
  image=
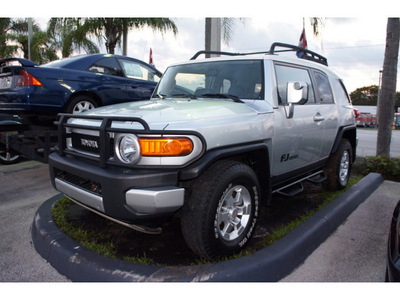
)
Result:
{"points": [[285, 74], [240, 78]]}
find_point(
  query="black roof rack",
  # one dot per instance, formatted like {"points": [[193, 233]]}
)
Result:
{"points": [[306, 54], [225, 53]]}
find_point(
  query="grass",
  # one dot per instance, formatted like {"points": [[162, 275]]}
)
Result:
{"points": [[286, 228], [104, 239]]}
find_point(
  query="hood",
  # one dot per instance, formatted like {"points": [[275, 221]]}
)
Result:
{"points": [[159, 113]]}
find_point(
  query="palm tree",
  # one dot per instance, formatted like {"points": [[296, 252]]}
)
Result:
{"points": [[6, 50], [41, 51], [111, 29], [69, 34], [224, 28], [387, 94]]}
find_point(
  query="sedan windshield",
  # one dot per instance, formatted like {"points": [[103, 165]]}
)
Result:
{"points": [[236, 79]]}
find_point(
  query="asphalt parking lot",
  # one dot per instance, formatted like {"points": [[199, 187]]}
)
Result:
{"points": [[23, 188], [355, 252]]}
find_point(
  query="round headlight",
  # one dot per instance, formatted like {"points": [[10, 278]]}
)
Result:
{"points": [[127, 148]]}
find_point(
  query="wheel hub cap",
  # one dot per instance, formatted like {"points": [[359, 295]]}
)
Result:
{"points": [[344, 166], [233, 213]]}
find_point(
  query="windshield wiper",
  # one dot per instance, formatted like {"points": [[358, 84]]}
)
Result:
{"points": [[159, 95], [223, 95], [190, 96]]}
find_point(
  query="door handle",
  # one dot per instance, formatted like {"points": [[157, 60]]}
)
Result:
{"points": [[318, 118]]}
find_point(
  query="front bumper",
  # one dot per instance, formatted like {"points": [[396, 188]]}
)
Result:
{"points": [[134, 196]]}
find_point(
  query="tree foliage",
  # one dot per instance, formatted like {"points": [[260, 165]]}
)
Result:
{"points": [[69, 34], [14, 38], [368, 95], [111, 29], [6, 50]]}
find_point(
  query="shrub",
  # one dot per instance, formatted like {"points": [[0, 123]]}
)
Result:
{"points": [[388, 167]]}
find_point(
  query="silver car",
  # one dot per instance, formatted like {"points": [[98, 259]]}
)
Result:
{"points": [[217, 139]]}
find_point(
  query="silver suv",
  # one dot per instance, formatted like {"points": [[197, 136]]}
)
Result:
{"points": [[217, 139]]}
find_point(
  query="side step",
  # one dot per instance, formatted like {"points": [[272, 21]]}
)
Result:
{"points": [[318, 178], [296, 187], [291, 190]]}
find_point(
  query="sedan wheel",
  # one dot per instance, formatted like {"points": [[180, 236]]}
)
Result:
{"points": [[81, 104], [82, 107], [8, 157]]}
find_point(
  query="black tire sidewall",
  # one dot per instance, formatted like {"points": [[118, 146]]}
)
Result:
{"points": [[241, 241], [333, 168]]}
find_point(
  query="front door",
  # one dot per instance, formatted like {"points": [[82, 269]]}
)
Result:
{"points": [[297, 138]]}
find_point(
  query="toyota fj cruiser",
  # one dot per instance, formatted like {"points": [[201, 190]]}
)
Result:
{"points": [[218, 137]]}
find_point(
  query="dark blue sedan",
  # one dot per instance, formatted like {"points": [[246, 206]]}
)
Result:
{"points": [[74, 84]]}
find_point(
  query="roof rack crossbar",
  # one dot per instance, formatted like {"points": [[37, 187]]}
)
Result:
{"points": [[225, 53], [212, 52], [307, 54]]}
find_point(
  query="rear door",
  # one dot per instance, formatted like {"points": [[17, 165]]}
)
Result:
{"points": [[111, 84], [327, 110]]}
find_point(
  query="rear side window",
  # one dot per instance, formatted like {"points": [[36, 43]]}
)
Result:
{"points": [[285, 74], [323, 88], [107, 66], [136, 70]]}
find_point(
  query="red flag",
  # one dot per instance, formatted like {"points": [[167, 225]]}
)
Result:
{"points": [[151, 58], [302, 42]]}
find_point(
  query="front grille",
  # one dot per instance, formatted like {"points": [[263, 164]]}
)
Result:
{"points": [[89, 143], [86, 184]]}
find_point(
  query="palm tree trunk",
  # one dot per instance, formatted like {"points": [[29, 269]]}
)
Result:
{"points": [[387, 94], [125, 38]]}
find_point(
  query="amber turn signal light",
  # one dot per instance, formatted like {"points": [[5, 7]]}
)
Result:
{"points": [[165, 146]]}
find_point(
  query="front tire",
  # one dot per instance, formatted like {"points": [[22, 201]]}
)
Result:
{"points": [[338, 168], [221, 210]]}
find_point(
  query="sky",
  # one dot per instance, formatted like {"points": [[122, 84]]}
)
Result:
{"points": [[352, 37]]}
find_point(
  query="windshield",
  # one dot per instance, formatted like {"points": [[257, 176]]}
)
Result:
{"points": [[235, 78]]}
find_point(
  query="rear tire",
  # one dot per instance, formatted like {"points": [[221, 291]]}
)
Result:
{"points": [[81, 104], [338, 168], [221, 210]]}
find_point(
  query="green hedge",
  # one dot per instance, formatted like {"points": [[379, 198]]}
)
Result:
{"points": [[388, 167]]}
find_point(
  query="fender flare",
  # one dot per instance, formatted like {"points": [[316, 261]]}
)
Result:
{"points": [[197, 168], [353, 138]]}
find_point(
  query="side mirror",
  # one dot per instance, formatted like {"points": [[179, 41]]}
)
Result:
{"points": [[297, 93]]}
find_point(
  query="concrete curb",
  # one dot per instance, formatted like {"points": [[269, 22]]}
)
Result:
{"points": [[267, 265]]}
